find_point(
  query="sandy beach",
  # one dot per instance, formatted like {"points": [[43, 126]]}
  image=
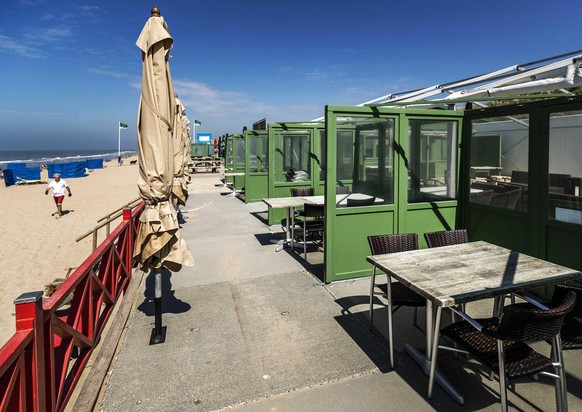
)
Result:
{"points": [[36, 248]]}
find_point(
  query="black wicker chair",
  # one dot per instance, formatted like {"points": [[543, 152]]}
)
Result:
{"points": [[571, 332], [502, 344], [401, 295], [446, 238], [301, 191], [297, 192], [313, 223]]}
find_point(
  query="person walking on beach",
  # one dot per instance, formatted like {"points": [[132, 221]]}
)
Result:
{"points": [[59, 187]]}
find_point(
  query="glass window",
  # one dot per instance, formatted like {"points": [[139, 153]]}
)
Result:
{"points": [[292, 156], [499, 161], [345, 149], [240, 152], [321, 159], [565, 168], [364, 160], [258, 153], [229, 154], [432, 169]]}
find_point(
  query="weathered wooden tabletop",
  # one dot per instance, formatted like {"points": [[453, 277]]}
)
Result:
{"points": [[468, 272]]}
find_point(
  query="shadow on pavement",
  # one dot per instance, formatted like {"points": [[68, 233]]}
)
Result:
{"points": [[170, 304]]}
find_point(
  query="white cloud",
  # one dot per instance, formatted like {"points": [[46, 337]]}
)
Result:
{"points": [[49, 35], [10, 45], [28, 113], [62, 17], [205, 100], [109, 73], [316, 74], [87, 10], [223, 111], [30, 2]]}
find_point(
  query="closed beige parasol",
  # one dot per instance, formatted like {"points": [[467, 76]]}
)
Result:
{"points": [[158, 244], [180, 186]]}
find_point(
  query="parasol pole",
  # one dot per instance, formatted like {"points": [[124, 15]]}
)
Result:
{"points": [[158, 332]]}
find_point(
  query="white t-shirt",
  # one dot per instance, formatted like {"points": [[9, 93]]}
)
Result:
{"points": [[58, 187]]}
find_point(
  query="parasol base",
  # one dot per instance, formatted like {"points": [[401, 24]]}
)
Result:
{"points": [[158, 337]]}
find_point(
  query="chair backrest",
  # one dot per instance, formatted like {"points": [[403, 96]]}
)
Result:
{"points": [[526, 323], [361, 202], [507, 200], [382, 244], [341, 190], [311, 210], [483, 197], [561, 290], [301, 191], [446, 237]]}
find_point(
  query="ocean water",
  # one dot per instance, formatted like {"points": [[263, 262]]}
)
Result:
{"points": [[37, 157]]}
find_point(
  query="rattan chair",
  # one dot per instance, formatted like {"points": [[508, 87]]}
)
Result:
{"points": [[446, 238], [313, 223], [297, 192], [401, 295], [502, 344], [301, 191], [571, 332], [341, 190]]}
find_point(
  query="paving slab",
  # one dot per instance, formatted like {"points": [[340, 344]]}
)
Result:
{"points": [[251, 329]]}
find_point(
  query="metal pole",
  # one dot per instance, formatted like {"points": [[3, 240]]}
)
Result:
{"points": [[118, 140], [159, 331]]}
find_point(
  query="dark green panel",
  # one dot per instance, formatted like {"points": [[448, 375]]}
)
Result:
{"points": [[503, 228], [256, 187], [564, 246], [239, 182], [349, 242]]}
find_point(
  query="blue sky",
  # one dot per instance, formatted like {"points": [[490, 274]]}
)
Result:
{"points": [[71, 70]]}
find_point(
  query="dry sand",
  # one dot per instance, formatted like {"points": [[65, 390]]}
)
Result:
{"points": [[35, 247]]}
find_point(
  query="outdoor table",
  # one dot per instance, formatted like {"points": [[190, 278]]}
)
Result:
{"points": [[453, 275], [232, 174], [287, 203], [291, 202]]}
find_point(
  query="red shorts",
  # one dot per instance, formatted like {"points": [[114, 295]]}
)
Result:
{"points": [[59, 199]]}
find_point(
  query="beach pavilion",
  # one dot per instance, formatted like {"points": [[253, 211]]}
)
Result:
{"points": [[508, 174]]}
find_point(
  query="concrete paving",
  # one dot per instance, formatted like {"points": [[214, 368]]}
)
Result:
{"points": [[252, 329]]}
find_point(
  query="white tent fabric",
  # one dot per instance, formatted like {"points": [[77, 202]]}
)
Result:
{"points": [[541, 76]]}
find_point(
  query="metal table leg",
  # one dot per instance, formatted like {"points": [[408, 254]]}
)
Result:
{"points": [[428, 363]]}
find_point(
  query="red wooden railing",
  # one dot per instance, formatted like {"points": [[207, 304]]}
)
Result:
{"points": [[43, 361]]}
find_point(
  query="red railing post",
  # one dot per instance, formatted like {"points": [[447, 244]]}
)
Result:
{"points": [[127, 217], [29, 315]]}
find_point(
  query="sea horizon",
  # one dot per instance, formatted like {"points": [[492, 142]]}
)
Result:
{"points": [[36, 157]]}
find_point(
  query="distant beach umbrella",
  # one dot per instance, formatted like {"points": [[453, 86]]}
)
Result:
{"points": [[159, 243], [187, 147], [180, 186]]}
